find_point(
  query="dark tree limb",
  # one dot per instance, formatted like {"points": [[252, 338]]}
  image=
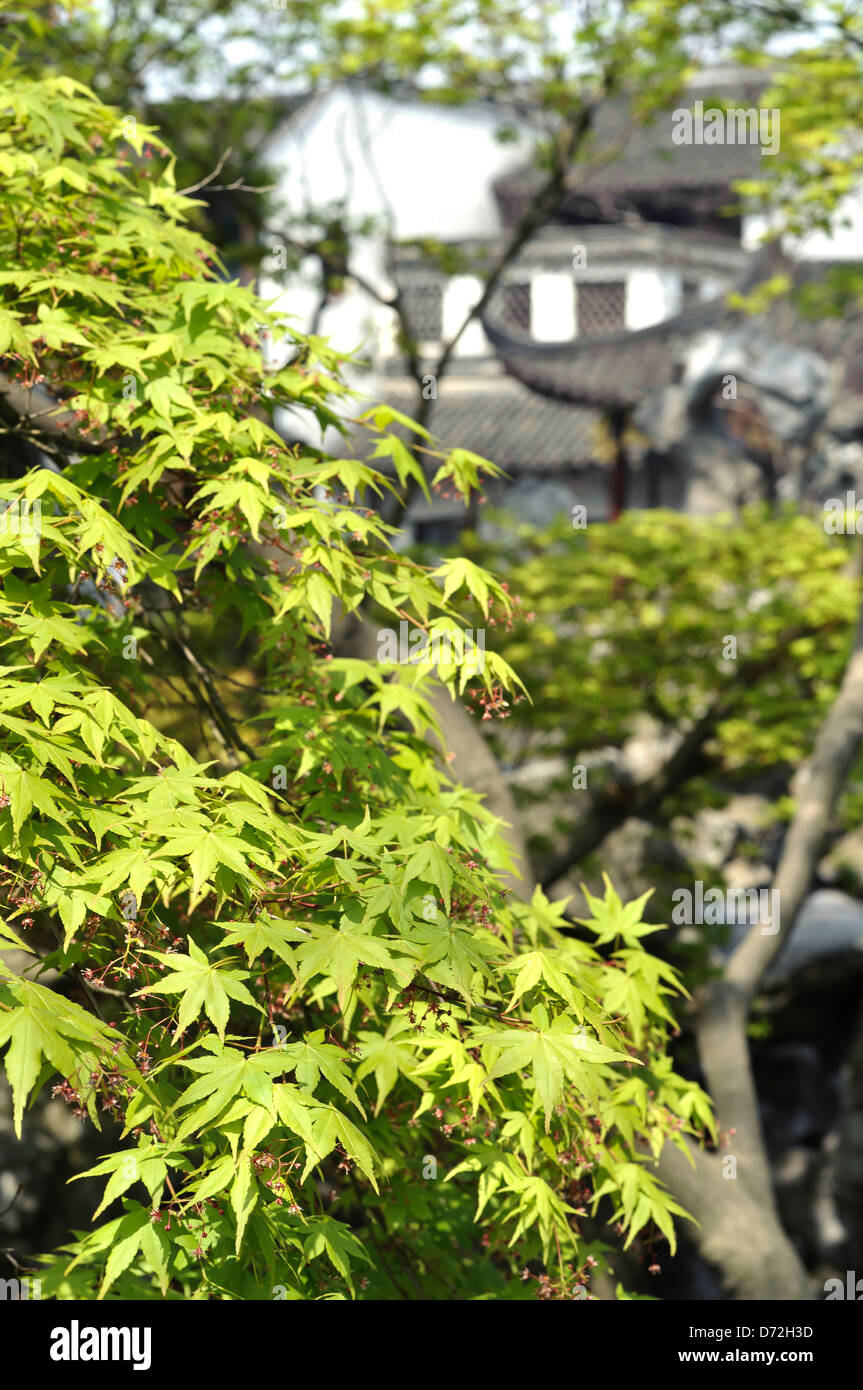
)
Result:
{"points": [[738, 1217], [736, 1232], [688, 760], [724, 1007]]}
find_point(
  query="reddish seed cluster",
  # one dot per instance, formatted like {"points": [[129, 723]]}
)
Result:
{"points": [[491, 702], [278, 1183], [114, 1088], [465, 1120], [570, 1283], [24, 893], [509, 615], [185, 1219], [68, 1093], [434, 1010], [130, 965]]}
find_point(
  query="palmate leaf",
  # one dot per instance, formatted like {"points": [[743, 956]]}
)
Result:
{"points": [[339, 954], [206, 852], [266, 934], [611, 918], [44, 1027], [433, 865], [147, 1165], [462, 571], [451, 1054], [205, 986], [27, 790], [554, 1053], [133, 867], [338, 1242], [540, 1205], [331, 1125], [229, 1073], [124, 1238], [642, 1199], [634, 995], [548, 966], [453, 956], [386, 1057], [229, 1088], [313, 1058]]}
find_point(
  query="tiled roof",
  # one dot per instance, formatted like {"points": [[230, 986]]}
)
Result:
{"points": [[621, 369], [551, 248], [501, 420], [602, 372], [625, 156]]}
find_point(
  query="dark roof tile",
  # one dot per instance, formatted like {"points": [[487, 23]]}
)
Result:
{"points": [[502, 421], [623, 155]]}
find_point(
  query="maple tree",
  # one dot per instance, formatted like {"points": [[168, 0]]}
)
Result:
{"points": [[330, 1048]]}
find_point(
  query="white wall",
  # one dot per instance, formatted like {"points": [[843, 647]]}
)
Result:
{"points": [[651, 296], [461, 294], [430, 166], [844, 243], [420, 169], [552, 307]]}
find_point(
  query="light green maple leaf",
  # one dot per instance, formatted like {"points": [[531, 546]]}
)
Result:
{"points": [[338, 1242], [340, 953], [43, 1026], [204, 985], [562, 1051], [266, 934], [206, 852]]}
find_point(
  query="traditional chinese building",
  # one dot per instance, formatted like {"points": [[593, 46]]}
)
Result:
{"points": [[607, 368]]}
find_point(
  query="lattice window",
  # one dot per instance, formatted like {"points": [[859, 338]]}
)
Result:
{"points": [[600, 308], [423, 301], [515, 306], [510, 306]]}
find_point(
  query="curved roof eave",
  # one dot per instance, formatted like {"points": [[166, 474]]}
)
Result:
{"points": [[552, 369]]}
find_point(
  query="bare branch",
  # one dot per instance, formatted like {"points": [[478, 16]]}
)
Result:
{"points": [[194, 187]]}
